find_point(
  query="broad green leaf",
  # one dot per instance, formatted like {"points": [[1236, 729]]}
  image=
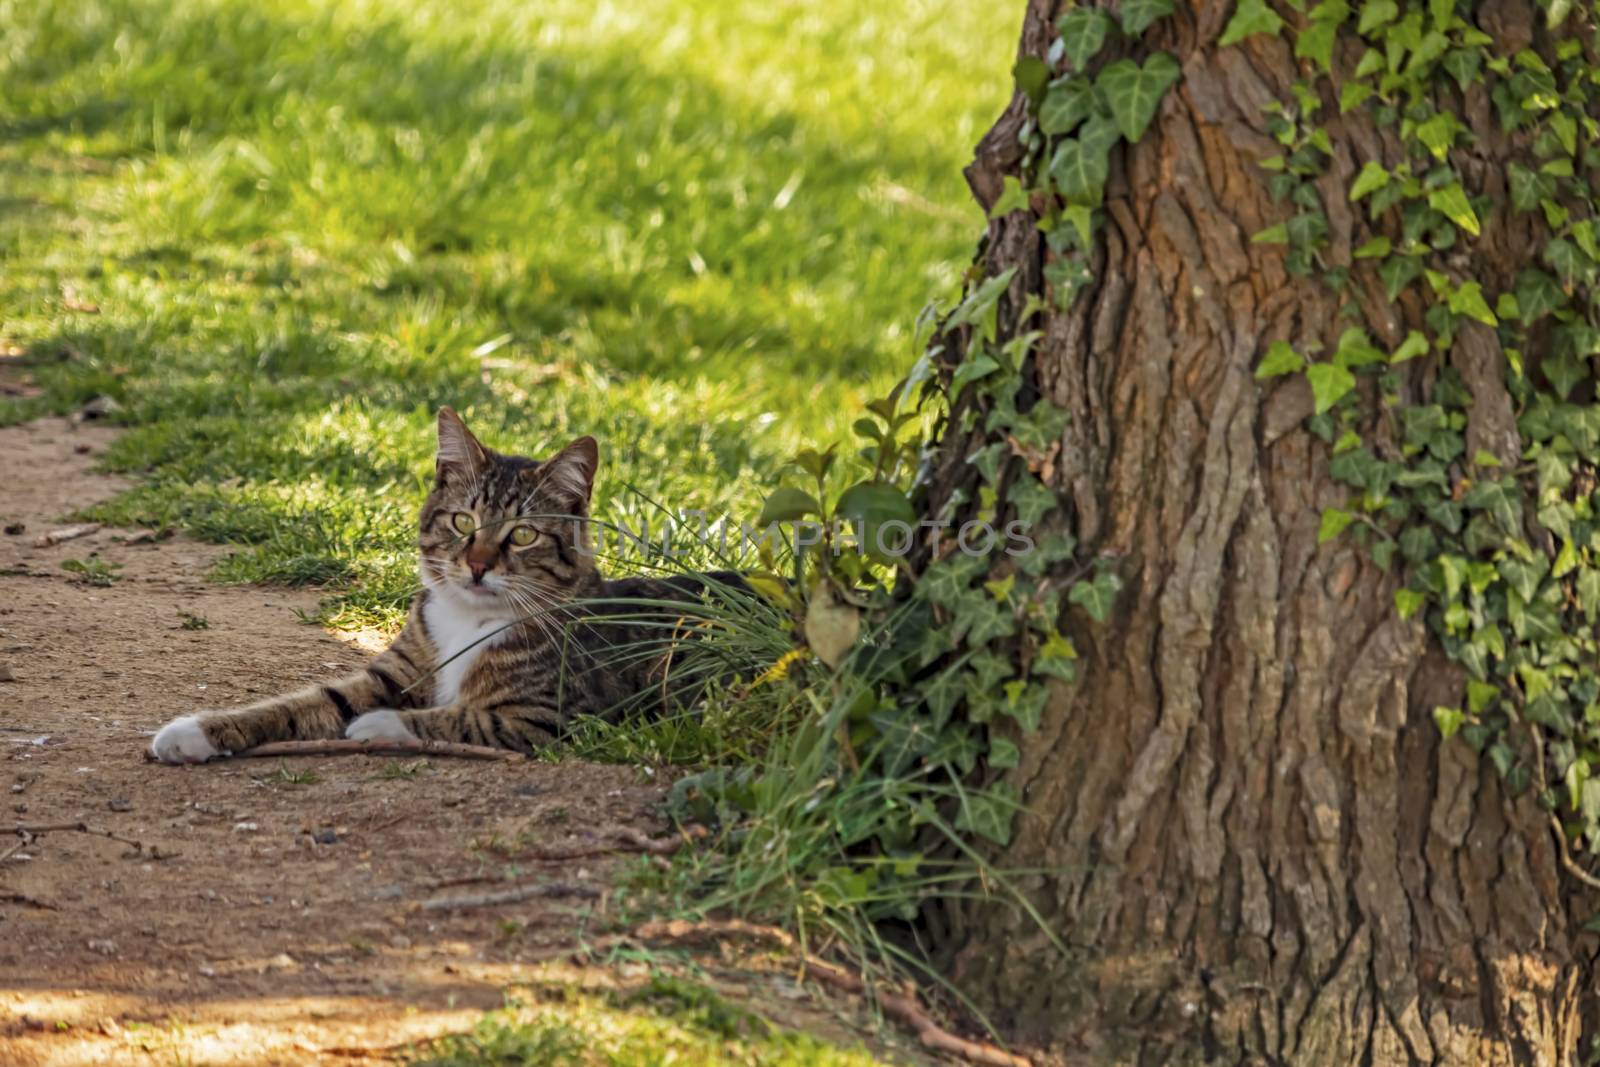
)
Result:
{"points": [[1398, 272], [974, 368], [1013, 197], [1408, 602], [1449, 720], [1280, 359], [1031, 74], [1468, 300], [1097, 596], [988, 813], [1376, 13], [1439, 133], [1329, 382], [1083, 33], [1276, 234], [884, 519], [1080, 164], [1133, 92], [786, 505], [1250, 17], [1067, 102], [1451, 202], [1415, 344], [1376, 248], [1537, 295], [1352, 95], [1137, 15], [981, 307], [1372, 178], [1334, 521]]}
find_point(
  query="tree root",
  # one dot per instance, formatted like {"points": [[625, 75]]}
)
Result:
{"points": [[902, 1007]]}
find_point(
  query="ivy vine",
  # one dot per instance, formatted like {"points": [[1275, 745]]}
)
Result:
{"points": [[1500, 553]]}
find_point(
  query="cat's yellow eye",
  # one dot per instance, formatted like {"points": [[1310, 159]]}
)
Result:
{"points": [[462, 522], [524, 535]]}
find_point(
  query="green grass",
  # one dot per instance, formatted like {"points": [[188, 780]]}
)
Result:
{"points": [[668, 1020], [698, 229]]}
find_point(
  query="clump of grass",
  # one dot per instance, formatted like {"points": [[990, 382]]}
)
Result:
{"points": [[668, 1020], [285, 775], [193, 622], [92, 571], [402, 771]]}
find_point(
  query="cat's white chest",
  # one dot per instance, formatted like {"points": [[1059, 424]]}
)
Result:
{"points": [[460, 632]]}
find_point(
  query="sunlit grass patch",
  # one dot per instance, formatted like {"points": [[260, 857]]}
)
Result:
{"points": [[666, 1020]]}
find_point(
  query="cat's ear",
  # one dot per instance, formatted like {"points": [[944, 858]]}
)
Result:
{"points": [[460, 455], [568, 476]]}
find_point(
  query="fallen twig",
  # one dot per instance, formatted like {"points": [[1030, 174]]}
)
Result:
{"points": [[13, 850], [23, 898], [511, 896], [371, 748], [900, 1006], [65, 533], [625, 839], [72, 827]]}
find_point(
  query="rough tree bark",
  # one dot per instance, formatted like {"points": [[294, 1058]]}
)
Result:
{"points": [[1266, 853]]}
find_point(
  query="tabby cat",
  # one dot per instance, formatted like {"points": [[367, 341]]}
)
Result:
{"points": [[494, 651]]}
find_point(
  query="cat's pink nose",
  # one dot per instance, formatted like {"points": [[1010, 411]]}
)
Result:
{"points": [[477, 569]]}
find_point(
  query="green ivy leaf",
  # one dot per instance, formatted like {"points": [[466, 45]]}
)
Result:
{"points": [[1537, 295], [1468, 300], [1398, 272], [1133, 92], [1451, 202], [973, 368], [1334, 521], [1448, 720], [1415, 344], [1439, 133], [988, 813], [1376, 13], [1067, 102], [1408, 602], [981, 307], [1250, 18], [1031, 73], [1013, 197], [1280, 359], [1097, 596], [1529, 187], [1079, 167], [1083, 33], [1315, 42], [1376, 248], [1372, 178], [1137, 15], [1276, 234], [1329, 382]]}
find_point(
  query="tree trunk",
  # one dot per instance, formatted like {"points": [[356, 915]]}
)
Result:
{"points": [[1263, 850]]}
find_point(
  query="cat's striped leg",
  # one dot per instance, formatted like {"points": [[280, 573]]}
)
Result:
{"points": [[306, 714], [522, 727]]}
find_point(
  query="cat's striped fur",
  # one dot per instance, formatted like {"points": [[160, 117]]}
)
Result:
{"points": [[493, 652]]}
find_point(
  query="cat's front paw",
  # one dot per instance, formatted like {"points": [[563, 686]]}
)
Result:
{"points": [[382, 725], [183, 740]]}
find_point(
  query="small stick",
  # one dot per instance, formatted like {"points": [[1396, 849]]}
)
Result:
{"points": [[370, 748], [13, 850], [511, 896], [70, 827], [65, 533], [898, 1006], [23, 898]]}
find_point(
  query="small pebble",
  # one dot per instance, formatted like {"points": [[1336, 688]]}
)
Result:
{"points": [[245, 827], [325, 837], [119, 804], [105, 948], [14, 528], [5, 673]]}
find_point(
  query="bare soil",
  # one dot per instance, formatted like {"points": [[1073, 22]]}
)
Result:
{"points": [[264, 920]]}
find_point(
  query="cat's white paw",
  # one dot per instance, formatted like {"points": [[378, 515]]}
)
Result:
{"points": [[182, 741], [381, 725]]}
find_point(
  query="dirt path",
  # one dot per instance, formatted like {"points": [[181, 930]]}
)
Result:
{"points": [[281, 920]]}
